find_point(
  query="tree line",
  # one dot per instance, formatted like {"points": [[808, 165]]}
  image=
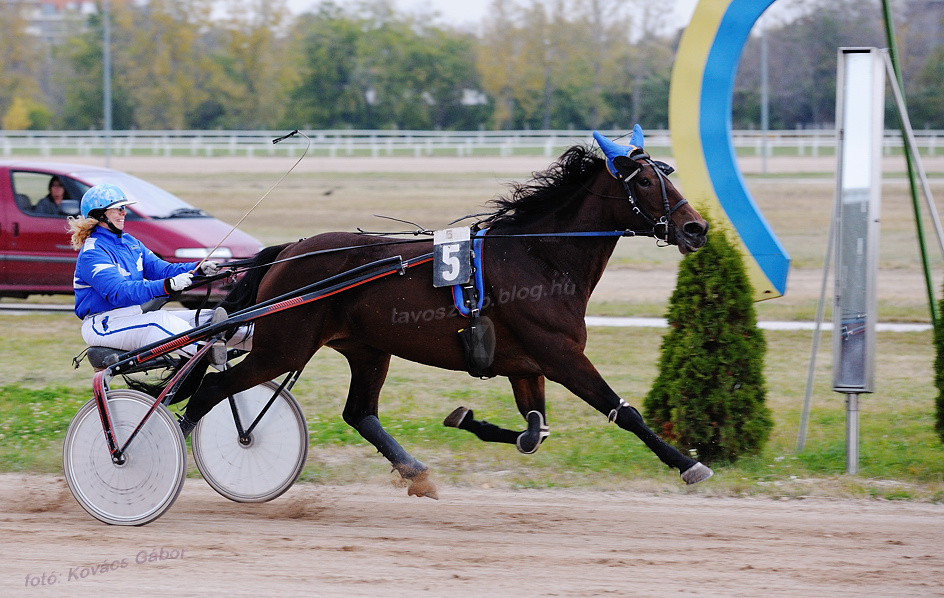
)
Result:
{"points": [[531, 64]]}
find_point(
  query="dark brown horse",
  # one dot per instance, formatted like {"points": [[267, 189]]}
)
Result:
{"points": [[541, 336]]}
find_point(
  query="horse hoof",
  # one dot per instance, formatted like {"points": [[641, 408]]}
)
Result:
{"points": [[421, 485], [697, 473], [455, 419]]}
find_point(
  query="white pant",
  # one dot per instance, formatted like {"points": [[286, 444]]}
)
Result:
{"points": [[128, 328]]}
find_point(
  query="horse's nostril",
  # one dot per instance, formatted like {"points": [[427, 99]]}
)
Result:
{"points": [[695, 229]]}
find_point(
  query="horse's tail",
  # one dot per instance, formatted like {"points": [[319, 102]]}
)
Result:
{"points": [[156, 387], [153, 389], [244, 292]]}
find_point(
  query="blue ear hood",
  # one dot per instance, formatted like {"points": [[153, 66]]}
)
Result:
{"points": [[612, 150]]}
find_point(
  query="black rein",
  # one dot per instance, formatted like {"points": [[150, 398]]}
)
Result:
{"points": [[661, 229]]}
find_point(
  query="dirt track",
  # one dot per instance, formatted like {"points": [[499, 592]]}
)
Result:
{"points": [[375, 541]]}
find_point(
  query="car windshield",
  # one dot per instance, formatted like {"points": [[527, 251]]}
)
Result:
{"points": [[151, 201]]}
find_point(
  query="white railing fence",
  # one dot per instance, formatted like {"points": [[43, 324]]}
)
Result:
{"points": [[372, 143]]}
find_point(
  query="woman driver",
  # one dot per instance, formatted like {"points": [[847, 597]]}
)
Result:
{"points": [[115, 274]]}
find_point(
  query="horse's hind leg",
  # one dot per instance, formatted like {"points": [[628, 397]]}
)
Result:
{"points": [[216, 386], [529, 396], [368, 372]]}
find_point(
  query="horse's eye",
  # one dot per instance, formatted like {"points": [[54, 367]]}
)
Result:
{"points": [[643, 182]]}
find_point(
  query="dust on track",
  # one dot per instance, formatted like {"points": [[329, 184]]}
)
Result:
{"points": [[373, 540]]}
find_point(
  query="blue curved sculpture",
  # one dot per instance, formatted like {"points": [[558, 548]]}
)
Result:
{"points": [[700, 120]]}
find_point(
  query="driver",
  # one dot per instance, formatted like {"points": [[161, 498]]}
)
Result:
{"points": [[115, 274]]}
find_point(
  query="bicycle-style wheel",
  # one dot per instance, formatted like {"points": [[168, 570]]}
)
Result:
{"points": [[145, 485], [264, 465]]}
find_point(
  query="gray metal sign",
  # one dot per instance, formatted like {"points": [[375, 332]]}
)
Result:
{"points": [[860, 126]]}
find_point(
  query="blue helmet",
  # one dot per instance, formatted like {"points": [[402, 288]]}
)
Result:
{"points": [[101, 197]]}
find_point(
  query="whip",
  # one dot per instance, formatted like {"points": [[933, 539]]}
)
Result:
{"points": [[276, 140]]}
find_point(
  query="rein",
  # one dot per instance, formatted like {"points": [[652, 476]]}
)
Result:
{"points": [[297, 162], [233, 268], [660, 229]]}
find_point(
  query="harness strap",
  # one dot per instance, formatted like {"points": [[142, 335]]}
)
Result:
{"points": [[470, 297], [661, 228]]}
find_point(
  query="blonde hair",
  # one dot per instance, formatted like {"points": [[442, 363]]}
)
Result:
{"points": [[81, 228]]}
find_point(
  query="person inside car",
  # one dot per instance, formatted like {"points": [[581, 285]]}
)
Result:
{"points": [[52, 203]]}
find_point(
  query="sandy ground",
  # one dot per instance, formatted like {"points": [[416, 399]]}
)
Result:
{"points": [[373, 540]]}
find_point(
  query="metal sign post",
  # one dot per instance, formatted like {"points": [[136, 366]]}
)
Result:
{"points": [[860, 106]]}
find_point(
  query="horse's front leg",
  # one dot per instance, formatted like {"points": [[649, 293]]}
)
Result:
{"points": [[578, 375], [529, 397], [368, 372]]}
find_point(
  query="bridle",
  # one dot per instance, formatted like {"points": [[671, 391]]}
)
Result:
{"points": [[662, 228]]}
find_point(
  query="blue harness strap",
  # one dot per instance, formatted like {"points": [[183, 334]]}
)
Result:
{"points": [[478, 279]]}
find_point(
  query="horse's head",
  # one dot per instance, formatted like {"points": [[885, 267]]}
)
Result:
{"points": [[653, 199]]}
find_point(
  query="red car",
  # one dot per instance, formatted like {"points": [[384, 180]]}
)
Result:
{"points": [[35, 253]]}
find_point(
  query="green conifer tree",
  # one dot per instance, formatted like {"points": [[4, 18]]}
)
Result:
{"points": [[710, 392]]}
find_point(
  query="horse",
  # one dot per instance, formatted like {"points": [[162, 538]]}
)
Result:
{"points": [[541, 235]]}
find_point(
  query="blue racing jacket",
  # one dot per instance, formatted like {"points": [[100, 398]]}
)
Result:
{"points": [[119, 271]]}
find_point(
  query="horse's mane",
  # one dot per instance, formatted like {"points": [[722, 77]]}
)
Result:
{"points": [[547, 191]]}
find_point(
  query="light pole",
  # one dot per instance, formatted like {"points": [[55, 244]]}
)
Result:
{"points": [[764, 97], [106, 78]]}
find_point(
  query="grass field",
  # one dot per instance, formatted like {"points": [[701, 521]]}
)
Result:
{"points": [[900, 454]]}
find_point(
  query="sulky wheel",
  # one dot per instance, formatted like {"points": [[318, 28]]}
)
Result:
{"points": [[262, 465], [147, 482]]}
